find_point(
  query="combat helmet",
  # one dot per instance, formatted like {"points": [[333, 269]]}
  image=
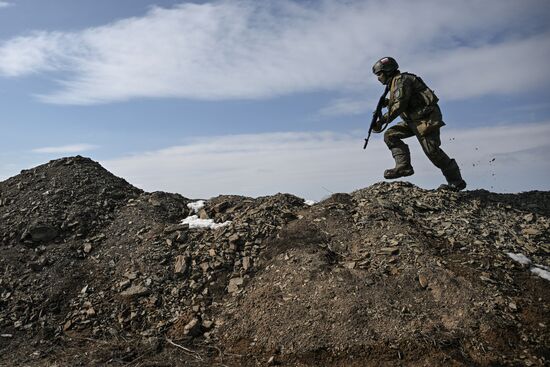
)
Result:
{"points": [[386, 65]]}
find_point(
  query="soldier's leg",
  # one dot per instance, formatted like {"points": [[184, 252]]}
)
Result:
{"points": [[431, 145], [400, 151]]}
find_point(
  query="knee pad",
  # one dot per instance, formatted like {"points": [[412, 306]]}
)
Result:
{"points": [[391, 141]]}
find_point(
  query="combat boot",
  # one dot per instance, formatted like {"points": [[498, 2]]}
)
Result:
{"points": [[453, 177], [403, 168]]}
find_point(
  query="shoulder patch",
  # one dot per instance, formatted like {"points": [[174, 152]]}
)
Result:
{"points": [[397, 82]]}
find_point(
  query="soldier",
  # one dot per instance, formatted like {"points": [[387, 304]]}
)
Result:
{"points": [[412, 100]]}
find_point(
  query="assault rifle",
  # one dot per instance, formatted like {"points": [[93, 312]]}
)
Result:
{"points": [[377, 114]]}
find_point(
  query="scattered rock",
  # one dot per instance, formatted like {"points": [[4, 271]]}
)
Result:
{"points": [[176, 227], [246, 263], [234, 285], [193, 328], [42, 232], [423, 280], [350, 264], [532, 232], [180, 266], [389, 250], [350, 273], [135, 291]]}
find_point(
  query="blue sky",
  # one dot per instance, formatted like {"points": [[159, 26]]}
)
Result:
{"points": [[259, 97]]}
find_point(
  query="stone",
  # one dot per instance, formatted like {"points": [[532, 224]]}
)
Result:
{"points": [[422, 280], [182, 236], [531, 232], [36, 266], [67, 325], [176, 227], [193, 328], [389, 250], [87, 248], [529, 217], [180, 265], [42, 233], [204, 266], [203, 214], [135, 292], [246, 263], [131, 275], [40, 262], [155, 202], [234, 284], [221, 207], [350, 264]]}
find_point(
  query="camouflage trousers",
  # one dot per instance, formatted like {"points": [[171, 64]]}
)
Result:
{"points": [[430, 140]]}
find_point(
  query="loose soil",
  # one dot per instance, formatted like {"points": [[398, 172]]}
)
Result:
{"points": [[95, 272]]}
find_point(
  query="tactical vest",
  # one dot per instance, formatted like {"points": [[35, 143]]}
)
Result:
{"points": [[422, 100]]}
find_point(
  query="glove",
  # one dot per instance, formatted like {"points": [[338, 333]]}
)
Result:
{"points": [[377, 127], [379, 124]]}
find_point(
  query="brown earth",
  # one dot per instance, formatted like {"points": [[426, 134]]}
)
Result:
{"points": [[94, 272]]}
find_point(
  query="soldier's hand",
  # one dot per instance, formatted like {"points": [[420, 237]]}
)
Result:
{"points": [[377, 127], [379, 124]]}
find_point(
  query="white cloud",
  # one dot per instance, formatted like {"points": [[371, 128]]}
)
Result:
{"points": [[66, 149], [309, 164], [347, 106], [40, 51], [493, 69], [5, 4], [252, 49]]}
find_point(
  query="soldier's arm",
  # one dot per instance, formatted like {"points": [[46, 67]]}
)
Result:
{"points": [[399, 98]]}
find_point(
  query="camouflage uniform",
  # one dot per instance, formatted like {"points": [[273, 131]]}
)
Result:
{"points": [[416, 104]]}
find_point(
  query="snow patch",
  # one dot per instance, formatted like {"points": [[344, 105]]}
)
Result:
{"points": [[196, 205], [309, 202], [544, 274], [540, 270], [195, 222], [520, 258]]}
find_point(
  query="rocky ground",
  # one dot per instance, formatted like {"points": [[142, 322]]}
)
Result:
{"points": [[94, 272]]}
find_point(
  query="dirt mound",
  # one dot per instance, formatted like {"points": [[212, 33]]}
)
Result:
{"points": [[65, 198], [391, 274], [395, 272]]}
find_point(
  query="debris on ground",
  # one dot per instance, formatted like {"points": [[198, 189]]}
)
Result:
{"points": [[97, 272]]}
